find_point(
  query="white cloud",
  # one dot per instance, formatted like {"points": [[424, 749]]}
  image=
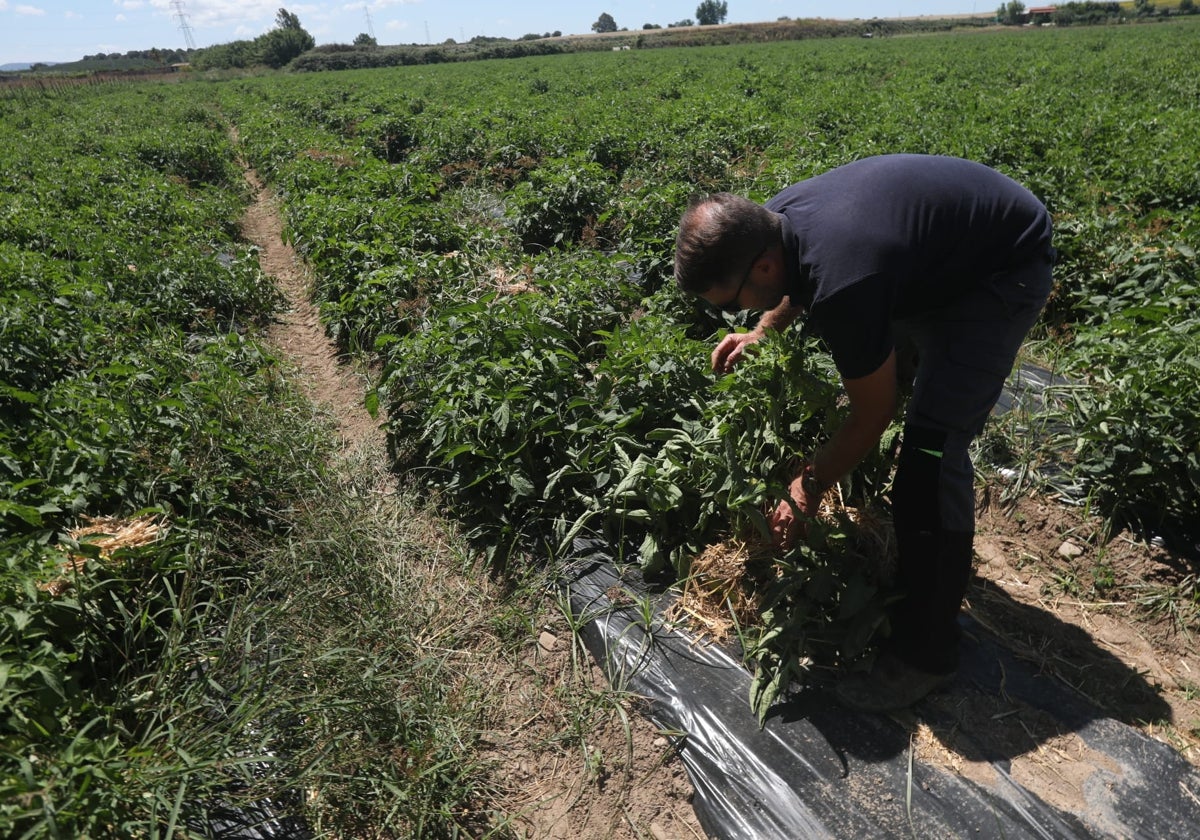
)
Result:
{"points": [[256, 15], [32, 11], [397, 25]]}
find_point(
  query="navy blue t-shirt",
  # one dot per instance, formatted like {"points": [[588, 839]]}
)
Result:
{"points": [[896, 236]]}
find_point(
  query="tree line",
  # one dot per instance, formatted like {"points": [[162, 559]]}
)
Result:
{"points": [[708, 13], [275, 48], [1015, 13]]}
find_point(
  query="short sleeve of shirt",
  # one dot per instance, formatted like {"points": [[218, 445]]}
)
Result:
{"points": [[855, 324]]}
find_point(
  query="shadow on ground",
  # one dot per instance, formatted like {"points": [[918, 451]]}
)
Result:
{"points": [[970, 761]]}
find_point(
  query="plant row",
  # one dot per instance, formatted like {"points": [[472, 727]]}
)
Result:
{"points": [[172, 662]]}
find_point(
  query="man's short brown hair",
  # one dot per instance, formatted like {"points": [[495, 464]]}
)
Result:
{"points": [[719, 237]]}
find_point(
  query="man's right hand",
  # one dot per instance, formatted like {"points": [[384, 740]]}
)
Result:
{"points": [[732, 349], [785, 525]]}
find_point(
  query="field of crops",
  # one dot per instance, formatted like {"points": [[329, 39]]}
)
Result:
{"points": [[428, 200], [496, 237]]}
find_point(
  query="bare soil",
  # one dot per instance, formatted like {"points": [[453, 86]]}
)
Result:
{"points": [[1114, 618], [1092, 611], [332, 383]]}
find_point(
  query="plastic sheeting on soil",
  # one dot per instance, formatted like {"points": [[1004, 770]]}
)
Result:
{"points": [[817, 770], [264, 820], [1027, 389]]}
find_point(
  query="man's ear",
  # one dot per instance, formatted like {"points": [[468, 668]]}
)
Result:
{"points": [[771, 261]]}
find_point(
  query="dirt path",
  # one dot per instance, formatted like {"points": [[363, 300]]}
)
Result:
{"points": [[330, 383]]}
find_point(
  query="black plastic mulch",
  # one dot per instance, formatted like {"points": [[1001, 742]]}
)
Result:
{"points": [[817, 770]]}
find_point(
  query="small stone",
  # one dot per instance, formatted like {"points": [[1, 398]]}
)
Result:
{"points": [[1069, 550], [660, 833], [661, 742], [547, 640]]}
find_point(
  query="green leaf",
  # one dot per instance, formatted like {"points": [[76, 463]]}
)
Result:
{"points": [[17, 394], [765, 689], [118, 370], [501, 416], [25, 512], [51, 679], [522, 485]]}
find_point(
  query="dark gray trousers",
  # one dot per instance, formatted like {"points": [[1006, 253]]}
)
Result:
{"points": [[965, 353]]}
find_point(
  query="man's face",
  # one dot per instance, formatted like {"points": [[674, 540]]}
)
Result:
{"points": [[759, 287], [720, 297]]}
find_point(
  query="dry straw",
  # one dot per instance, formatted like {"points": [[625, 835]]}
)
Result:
{"points": [[725, 587], [109, 534]]}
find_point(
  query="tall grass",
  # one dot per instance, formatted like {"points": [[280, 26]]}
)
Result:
{"points": [[370, 630], [331, 672]]}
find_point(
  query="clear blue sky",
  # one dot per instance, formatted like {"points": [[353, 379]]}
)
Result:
{"points": [[66, 30]]}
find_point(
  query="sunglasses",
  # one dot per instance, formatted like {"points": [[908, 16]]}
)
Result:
{"points": [[731, 305]]}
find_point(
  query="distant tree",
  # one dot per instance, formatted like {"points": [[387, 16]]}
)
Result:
{"points": [[651, 26], [1088, 12], [1143, 8], [684, 22], [604, 23], [1186, 7], [286, 41], [1011, 12], [710, 12], [222, 56], [286, 20], [279, 46], [365, 40]]}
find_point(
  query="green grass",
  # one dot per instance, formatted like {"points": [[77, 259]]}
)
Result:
{"points": [[375, 637]]}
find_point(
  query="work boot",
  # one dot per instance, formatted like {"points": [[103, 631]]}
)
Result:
{"points": [[891, 684]]}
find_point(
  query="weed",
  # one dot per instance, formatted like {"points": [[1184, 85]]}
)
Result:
{"points": [[1175, 602], [1103, 579]]}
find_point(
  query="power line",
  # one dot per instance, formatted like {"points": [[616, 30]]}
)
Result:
{"points": [[184, 26]]}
